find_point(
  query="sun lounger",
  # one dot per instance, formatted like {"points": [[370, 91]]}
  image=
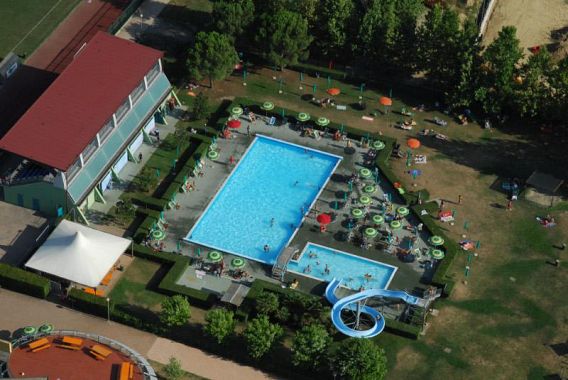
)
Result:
{"points": [[126, 371], [420, 159]]}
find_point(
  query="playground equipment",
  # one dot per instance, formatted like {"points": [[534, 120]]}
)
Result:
{"points": [[356, 304]]}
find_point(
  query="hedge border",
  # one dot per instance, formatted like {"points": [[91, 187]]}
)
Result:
{"points": [[22, 281]]}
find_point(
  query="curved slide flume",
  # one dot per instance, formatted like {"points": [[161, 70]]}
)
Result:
{"points": [[350, 303]]}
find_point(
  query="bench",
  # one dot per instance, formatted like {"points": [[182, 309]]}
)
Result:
{"points": [[38, 345], [69, 347], [92, 291], [126, 371], [100, 352], [106, 279]]}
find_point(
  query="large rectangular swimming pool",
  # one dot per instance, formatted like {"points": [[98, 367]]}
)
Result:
{"points": [[264, 199], [355, 272]]}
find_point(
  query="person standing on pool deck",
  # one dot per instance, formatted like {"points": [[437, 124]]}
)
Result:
{"points": [[266, 248]]}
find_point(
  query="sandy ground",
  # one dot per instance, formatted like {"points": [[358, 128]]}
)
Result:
{"points": [[534, 20]]}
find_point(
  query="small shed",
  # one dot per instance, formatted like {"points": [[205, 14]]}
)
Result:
{"points": [[544, 183], [236, 294]]}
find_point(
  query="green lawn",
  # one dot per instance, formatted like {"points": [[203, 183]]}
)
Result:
{"points": [[134, 286], [24, 24]]}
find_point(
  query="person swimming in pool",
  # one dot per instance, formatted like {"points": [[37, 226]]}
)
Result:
{"points": [[272, 222], [327, 269], [308, 269], [266, 248]]}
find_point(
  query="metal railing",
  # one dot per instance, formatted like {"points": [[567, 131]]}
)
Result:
{"points": [[147, 370]]}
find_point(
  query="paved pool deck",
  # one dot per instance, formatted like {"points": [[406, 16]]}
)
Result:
{"points": [[192, 204]]}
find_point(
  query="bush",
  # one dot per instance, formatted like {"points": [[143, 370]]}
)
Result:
{"points": [[260, 335], [402, 329], [90, 303], [220, 324], [175, 311], [22, 281], [267, 303], [173, 369], [310, 344]]}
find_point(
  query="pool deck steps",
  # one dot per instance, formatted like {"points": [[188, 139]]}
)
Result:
{"points": [[282, 260]]}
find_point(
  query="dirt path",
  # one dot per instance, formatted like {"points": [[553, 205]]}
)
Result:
{"points": [[534, 20], [58, 49], [19, 310]]}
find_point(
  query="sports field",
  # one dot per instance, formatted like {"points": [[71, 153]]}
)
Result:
{"points": [[24, 24]]}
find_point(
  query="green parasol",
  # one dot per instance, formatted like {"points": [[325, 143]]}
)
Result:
{"points": [[322, 121], [365, 200], [437, 254], [396, 224], [215, 256], [370, 232], [378, 219], [237, 111], [158, 235], [29, 330], [46, 328], [436, 240], [267, 106], [357, 213], [378, 145], [403, 211], [238, 263], [302, 116], [369, 189], [365, 173], [213, 154]]}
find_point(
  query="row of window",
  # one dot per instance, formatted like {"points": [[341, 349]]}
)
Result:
{"points": [[119, 115]]}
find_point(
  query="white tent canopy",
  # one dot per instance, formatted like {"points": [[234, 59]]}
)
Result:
{"points": [[78, 253]]}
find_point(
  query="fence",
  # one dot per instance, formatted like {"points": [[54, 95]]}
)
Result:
{"points": [[124, 16], [148, 372], [485, 11]]}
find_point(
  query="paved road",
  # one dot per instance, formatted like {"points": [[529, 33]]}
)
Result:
{"points": [[19, 310]]}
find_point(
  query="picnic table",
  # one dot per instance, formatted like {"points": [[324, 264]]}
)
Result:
{"points": [[40, 344], [71, 343], [100, 352]]}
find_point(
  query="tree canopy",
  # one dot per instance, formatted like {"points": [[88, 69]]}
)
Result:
{"points": [[333, 25], [283, 37], [232, 17], [309, 345], [359, 359], [175, 311], [260, 335], [213, 56], [220, 324]]}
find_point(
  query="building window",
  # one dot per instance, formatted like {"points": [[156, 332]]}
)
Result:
{"points": [[153, 73], [137, 93], [105, 130], [122, 111], [73, 170], [90, 149]]}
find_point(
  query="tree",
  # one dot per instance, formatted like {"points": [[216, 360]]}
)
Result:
{"points": [[173, 370], [220, 324], [200, 108], [125, 211], [283, 37], [333, 27], [495, 85], [359, 359], [232, 17], [175, 311], [212, 56], [267, 303], [260, 335], [310, 344], [556, 103], [532, 89]]}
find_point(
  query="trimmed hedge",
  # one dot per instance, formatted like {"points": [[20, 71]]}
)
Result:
{"points": [[89, 303], [145, 227], [22, 281], [150, 202], [178, 265], [402, 329]]}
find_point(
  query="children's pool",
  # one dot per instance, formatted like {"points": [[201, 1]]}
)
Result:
{"points": [[264, 199], [354, 271]]}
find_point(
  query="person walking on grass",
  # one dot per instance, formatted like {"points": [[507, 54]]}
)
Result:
{"points": [[509, 205], [459, 199]]}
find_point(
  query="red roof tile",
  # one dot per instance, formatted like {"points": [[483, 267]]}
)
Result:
{"points": [[67, 117]]}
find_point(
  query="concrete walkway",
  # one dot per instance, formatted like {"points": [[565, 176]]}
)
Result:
{"points": [[144, 17], [19, 310]]}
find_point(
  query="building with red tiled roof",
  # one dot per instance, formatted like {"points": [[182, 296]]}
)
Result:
{"points": [[86, 126]]}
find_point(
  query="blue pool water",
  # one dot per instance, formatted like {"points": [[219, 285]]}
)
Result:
{"points": [[273, 180], [349, 268]]}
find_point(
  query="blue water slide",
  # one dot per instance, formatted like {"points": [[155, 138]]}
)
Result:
{"points": [[351, 303]]}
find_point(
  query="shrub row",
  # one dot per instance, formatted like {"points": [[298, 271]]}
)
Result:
{"points": [[178, 264], [89, 303], [22, 281], [405, 330]]}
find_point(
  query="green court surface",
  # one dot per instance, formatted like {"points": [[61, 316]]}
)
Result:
{"points": [[24, 24]]}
